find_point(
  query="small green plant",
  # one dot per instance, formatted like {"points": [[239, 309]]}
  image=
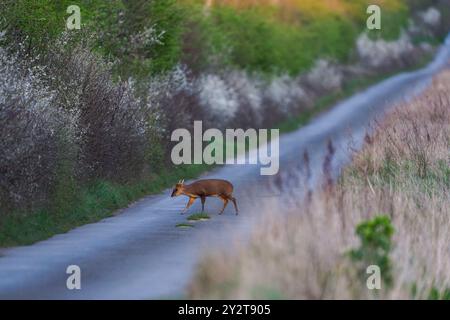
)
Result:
{"points": [[184, 225], [433, 293], [198, 216], [436, 294], [376, 243]]}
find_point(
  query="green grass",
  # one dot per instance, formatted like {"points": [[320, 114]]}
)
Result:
{"points": [[185, 225], [198, 216]]}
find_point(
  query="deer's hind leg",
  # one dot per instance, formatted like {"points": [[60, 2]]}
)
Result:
{"points": [[234, 203], [225, 202]]}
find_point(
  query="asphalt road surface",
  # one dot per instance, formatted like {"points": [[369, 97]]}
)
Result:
{"points": [[140, 254]]}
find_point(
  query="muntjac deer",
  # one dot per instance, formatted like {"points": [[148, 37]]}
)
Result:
{"points": [[206, 188]]}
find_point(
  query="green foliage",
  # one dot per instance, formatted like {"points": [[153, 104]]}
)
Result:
{"points": [[392, 23], [168, 17], [184, 225], [39, 22], [34, 20], [251, 39], [248, 40], [436, 294], [375, 236], [116, 25], [433, 294], [255, 38], [121, 33]]}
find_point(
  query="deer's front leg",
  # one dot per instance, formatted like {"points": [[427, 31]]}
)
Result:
{"points": [[203, 198], [190, 202]]}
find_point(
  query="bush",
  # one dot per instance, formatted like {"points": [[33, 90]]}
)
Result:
{"points": [[375, 236], [174, 102], [111, 124], [143, 35], [67, 121], [30, 130], [435, 294]]}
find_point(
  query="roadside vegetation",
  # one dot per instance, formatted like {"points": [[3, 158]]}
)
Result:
{"points": [[86, 115], [390, 208], [154, 36], [185, 225]]}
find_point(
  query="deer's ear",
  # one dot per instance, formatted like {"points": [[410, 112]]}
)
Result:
{"points": [[182, 181]]}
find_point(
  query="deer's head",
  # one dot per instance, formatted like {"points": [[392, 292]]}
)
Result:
{"points": [[178, 189]]}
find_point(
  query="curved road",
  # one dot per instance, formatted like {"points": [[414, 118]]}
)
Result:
{"points": [[140, 254]]}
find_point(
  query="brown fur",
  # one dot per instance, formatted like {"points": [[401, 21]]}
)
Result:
{"points": [[206, 188]]}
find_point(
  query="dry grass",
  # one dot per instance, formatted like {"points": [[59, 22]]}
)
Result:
{"points": [[403, 172]]}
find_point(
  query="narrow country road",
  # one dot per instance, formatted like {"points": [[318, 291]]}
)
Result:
{"points": [[140, 254]]}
